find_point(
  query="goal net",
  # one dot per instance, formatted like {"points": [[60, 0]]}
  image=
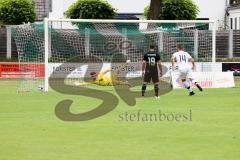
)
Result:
{"points": [[67, 48]]}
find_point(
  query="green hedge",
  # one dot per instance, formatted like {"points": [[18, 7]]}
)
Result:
{"points": [[14, 12], [176, 10], [90, 9]]}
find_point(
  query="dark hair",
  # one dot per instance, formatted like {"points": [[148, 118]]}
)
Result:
{"points": [[152, 46], [179, 46]]}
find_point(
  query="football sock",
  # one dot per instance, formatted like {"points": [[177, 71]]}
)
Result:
{"points": [[196, 84], [156, 89], [144, 87], [189, 89], [187, 86]]}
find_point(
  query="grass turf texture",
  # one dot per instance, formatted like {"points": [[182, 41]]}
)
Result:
{"points": [[29, 129]]}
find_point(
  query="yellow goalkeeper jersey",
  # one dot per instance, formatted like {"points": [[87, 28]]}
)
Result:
{"points": [[102, 80]]}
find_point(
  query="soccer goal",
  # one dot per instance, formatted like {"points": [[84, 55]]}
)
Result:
{"points": [[43, 48]]}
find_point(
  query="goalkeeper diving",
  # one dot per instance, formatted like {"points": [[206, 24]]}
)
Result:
{"points": [[102, 79]]}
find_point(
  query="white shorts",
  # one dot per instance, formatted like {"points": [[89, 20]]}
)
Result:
{"points": [[184, 73]]}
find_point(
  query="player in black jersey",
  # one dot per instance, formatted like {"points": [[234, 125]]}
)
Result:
{"points": [[151, 65]]}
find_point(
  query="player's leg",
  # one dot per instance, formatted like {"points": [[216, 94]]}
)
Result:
{"points": [[155, 79], [186, 84], [196, 84], [144, 87], [146, 80], [185, 81], [156, 90], [193, 81]]}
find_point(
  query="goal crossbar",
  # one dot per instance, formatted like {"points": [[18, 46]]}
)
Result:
{"points": [[129, 21]]}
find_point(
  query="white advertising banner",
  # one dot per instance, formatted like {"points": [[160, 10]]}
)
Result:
{"points": [[209, 79], [58, 70], [214, 78], [133, 69]]}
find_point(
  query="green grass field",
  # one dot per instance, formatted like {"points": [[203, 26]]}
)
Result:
{"points": [[29, 129]]}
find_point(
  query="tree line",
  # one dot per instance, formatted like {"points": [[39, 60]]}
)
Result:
{"points": [[14, 12]]}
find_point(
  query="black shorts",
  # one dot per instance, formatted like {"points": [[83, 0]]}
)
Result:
{"points": [[151, 75]]}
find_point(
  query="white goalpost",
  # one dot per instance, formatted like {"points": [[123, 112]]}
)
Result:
{"points": [[43, 47], [46, 54]]}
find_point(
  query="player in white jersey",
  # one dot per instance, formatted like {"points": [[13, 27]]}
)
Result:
{"points": [[181, 62]]}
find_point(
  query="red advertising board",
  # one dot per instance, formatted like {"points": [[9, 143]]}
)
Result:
{"points": [[14, 70]]}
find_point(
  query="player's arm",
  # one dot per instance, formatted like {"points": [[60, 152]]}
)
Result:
{"points": [[160, 68], [173, 60], [144, 64], [190, 59], [159, 64], [193, 63]]}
